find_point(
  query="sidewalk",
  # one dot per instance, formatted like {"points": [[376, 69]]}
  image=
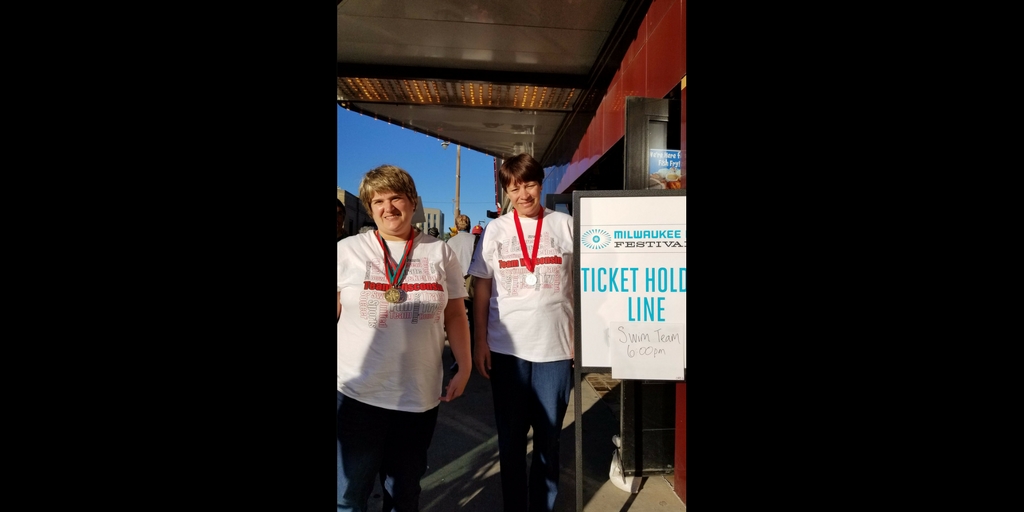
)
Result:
{"points": [[463, 469]]}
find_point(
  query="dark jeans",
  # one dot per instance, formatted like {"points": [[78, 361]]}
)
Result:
{"points": [[374, 441], [529, 394]]}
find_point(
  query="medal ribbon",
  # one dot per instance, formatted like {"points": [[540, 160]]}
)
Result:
{"points": [[396, 275], [529, 260]]}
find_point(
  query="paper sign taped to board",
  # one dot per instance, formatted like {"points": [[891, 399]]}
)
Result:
{"points": [[632, 253], [647, 350]]}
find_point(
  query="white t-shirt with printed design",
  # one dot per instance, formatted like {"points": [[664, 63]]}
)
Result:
{"points": [[534, 323], [389, 355]]}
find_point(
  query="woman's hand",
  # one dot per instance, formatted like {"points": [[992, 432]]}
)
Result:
{"points": [[482, 358], [457, 385], [457, 326]]}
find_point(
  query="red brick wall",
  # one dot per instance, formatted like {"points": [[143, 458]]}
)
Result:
{"points": [[652, 67]]}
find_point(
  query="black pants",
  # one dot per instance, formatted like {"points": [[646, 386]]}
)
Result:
{"points": [[392, 444]]}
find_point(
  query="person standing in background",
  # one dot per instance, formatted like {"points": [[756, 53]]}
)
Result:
{"points": [[463, 243], [342, 232], [463, 246]]}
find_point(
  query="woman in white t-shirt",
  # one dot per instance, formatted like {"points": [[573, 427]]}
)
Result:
{"points": [[523, 301], [399, 292]]}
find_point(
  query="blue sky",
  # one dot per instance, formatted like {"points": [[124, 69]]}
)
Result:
{"points": [[365, 143]]}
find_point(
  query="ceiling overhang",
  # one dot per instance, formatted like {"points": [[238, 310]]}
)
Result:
{"points": [[498, 77]]}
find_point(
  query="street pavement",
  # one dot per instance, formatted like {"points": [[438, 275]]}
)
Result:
{"points": [[463, 472]]}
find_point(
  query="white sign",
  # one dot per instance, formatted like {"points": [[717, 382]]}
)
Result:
{"points": [[648, 350], [632, 271]]}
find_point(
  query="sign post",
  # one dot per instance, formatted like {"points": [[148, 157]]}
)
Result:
{"points": [[629, 290]]}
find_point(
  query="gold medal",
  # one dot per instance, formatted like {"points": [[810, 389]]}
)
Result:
{"points": [[395, 275]]}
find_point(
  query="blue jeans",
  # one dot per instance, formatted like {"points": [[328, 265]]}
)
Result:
{"points": [[374, 441], [529, 394]]}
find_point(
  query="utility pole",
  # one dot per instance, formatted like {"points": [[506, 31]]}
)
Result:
{"points": [[458, 161]]}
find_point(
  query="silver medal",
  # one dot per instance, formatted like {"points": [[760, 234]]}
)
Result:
{"points": [[531, 279]]}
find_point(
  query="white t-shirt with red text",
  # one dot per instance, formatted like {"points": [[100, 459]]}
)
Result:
{"points": [[389, 355], [534, 323]]}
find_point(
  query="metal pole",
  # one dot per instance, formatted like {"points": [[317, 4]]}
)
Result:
{"points": [[458, 160], [578, 424]]}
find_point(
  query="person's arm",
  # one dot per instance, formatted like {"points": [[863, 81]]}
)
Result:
{"points": [[481, 310], [457, 326]]}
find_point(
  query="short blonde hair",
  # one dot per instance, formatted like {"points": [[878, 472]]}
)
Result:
{"points": [[462, 222], [387, 178]]}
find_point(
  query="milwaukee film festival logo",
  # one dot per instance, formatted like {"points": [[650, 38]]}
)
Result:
{"points": [[596, 239]]}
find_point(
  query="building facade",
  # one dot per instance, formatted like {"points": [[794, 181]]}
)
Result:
{"points": [[432, 218]]}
